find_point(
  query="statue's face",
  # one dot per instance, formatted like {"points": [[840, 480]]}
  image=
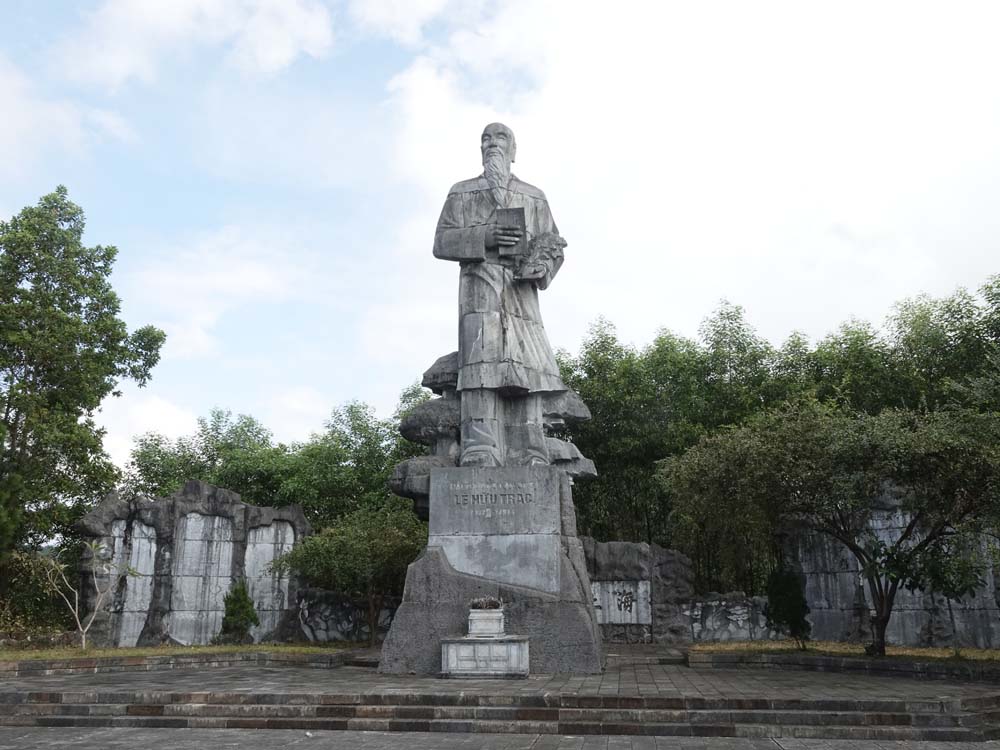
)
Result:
{"points": [[497, 138]]}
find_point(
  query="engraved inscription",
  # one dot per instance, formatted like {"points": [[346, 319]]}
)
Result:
{"points": [[492, 496], [625, 600]]}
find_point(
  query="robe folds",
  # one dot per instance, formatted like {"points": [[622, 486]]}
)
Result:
{"points": [[502, 343]]}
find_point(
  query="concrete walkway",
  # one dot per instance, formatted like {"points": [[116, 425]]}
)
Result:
{"points": [[634, 679], [40, 738], [637, 700]]}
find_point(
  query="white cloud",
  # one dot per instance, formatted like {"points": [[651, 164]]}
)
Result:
{"points": [[124, 40], [699, 151], [136, 412], [34, 125], [296, 412], [278, 31], [113, 125], [190, 288], [271, 135], [402, 20]]}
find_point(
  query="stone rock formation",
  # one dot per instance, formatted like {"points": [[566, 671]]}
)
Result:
{"points": [[642, 592], [185, 551]]}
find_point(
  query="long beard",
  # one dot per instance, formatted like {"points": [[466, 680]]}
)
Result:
{"points": [[497, 172]]}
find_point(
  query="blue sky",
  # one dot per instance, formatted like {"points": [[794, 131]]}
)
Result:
{"points": [[271, 171]]}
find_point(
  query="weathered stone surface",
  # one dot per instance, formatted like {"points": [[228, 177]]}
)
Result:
{"points": [[431, 421], [565, 408], [501, 231], [567, 457], [435, 605], [729, 617], [412, 478], [268, 589], [442, 375], [502, 523], [504, 518], [622, 602], [839, 601], [328, 616], [134, 546], [187, 550], [650, 573]]}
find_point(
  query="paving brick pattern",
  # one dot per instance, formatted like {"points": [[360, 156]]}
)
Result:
{"points": [[637, 679], [635, 696], [36, 738]]}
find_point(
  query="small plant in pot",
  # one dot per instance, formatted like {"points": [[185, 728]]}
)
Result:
{"points": [[486, 617]]}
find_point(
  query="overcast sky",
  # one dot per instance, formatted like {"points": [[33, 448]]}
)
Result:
{"points": [[272, 170]]}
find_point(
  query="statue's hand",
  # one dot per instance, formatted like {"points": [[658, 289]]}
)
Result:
{"points": [[498, 236]]}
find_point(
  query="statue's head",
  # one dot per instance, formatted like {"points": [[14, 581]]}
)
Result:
{"points": [[498, 143]]}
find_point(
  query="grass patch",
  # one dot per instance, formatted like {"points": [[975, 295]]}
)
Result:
{"points": [[70, 652], [833, 648]]}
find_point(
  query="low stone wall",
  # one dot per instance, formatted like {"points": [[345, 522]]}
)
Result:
{"points": [[729, 617], [328, 617], [957, 671], [185, 552], [166, 662]]}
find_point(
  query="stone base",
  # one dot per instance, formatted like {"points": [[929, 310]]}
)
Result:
{"points": [[502, 657], [506, 532], [563, 633]]}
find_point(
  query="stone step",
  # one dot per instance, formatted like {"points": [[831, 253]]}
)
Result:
{"points": [[366, 661], [471, 699], [540, 719], [508, 714], [884, 733]]}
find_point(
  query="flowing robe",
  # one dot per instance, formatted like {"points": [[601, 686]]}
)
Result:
{"points": [[502, 343]]}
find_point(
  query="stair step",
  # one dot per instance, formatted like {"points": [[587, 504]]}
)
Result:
{"points": [[801, 731]]}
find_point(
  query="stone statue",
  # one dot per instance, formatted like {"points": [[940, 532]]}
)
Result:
{"points": [[496, 486], [501, 231]]}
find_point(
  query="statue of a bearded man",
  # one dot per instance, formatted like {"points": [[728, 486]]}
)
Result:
{"points": [[507, 372]]}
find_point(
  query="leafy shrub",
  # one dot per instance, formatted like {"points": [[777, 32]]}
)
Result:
{"points": [[240, 616], [486, 602], [786, 607], [364, 555], [28, 606]]}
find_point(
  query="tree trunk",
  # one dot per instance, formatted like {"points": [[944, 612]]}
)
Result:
{"points": [[883, 612], [374, 610], [879, 624]]}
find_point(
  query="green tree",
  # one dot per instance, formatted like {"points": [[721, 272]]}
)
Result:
{"points": [[63, 350], [810, 466], [786, 607], [344, 468], [231, 452], [239, 617], [656, 402], [364, 555]]}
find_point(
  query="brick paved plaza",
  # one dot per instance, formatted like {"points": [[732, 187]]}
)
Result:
{"points": [[673, 705], [639, 678], [39, 738]]}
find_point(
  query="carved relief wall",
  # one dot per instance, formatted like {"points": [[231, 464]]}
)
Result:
{"points": [[185, 552]]}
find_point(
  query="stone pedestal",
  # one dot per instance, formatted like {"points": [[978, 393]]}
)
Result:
{"points": [[505, 656], [504, 532]]}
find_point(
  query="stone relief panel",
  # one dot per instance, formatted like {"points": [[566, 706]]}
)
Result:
{"points": [[268, 590], [622, 602], [187, 550], [137, 551], [202, 575]]}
